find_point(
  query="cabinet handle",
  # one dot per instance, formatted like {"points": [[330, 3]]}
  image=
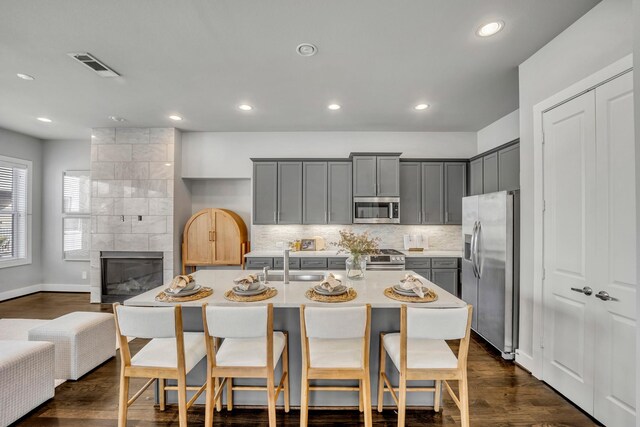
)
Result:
{"points": [[275, 216], [325, 216], [446, 217], [210, 239], [213, 235], [419, 216]]}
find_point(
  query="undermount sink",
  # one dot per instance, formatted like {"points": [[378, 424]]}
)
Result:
{"points": [[297, 277]]}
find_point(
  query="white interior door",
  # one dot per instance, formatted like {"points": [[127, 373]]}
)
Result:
{"points": [[569, 239], [615, 371]]}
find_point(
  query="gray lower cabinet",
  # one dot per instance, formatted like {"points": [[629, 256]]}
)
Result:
{"points": [[364, 176], [314, 192], [410, 193], [387, 177], [490, 173], [340, 196], [432, 193], [446, 278], [255, 263], [509, 168], [455, 188], [313, 263], [475, 177], [336, 263], [289, 192], [426, 273], [416, 263], [265, 192], [294, 263]]}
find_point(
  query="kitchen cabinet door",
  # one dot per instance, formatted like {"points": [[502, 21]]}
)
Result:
{"points": [[490, 173], [475, 177], [388, 176], [432, 193], [446, 278], [265, 192], [509, 168], [426, 273], [340, 193], [289, 192], [314, 193], [364, 176], [410, 193], [455, 188]]}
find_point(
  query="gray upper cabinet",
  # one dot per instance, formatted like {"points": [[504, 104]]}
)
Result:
{"points": [[387, 176], [475, 177], [265, 192], [432, 193], [314, 193], [509, 168], [410, 193], [455, 188], [490, 173], [289, 192], [340, 195], [364, 176]]}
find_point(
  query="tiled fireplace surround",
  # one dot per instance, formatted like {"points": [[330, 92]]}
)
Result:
{"points": [[132, 208]]}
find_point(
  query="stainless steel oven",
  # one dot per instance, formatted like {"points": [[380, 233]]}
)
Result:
{"points": [[376, 210]]}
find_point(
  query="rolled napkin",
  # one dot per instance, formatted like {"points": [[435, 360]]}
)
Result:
{"points": [[247, 282], [181, 282], [412, 283], [330, 282]]}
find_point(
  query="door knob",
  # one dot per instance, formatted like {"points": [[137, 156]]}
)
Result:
{"points": [[586, 290], [604, 296]]}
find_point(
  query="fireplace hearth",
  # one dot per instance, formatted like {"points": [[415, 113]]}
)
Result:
{"points": [[126, 274]]}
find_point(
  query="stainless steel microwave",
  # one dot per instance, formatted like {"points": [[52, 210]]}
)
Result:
{"points": [[376, 210]]}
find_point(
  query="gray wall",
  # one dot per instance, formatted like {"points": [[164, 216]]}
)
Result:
{"points": [[25, 147], [636, 85], [602, 36], [59, 156]]}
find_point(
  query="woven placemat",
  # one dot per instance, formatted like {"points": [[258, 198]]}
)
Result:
{"points": [[269, 293], [429, 296], [202, 293], [347, 296]]}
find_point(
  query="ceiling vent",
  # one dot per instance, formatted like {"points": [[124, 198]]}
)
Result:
{"points": [[92, 62]]}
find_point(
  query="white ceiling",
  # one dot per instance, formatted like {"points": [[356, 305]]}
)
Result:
{"points": [[201, 58]]}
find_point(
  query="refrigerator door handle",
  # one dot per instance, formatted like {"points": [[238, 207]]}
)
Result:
{"points": [[475, 249], [473, 245]]}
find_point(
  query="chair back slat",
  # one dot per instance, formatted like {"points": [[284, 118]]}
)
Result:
{"points": [[146, 322], [336, 322], [437, 324], [237, 322]]}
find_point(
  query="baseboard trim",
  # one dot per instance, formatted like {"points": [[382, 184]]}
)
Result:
{"points": [[46, 287]]}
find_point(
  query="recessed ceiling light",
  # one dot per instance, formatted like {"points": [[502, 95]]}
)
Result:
{"points": [[117, 119], [490, 29], [176, 118], [306, 49], [245, 107], [25, 76], [421, 106], [334, 106], [45, 119]]}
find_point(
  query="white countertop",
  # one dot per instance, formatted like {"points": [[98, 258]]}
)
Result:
{"points": [[370, 290], [330, 253]]}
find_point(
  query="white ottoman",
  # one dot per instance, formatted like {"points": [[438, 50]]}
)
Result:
{"points": [[26, 377], [83, 341]]}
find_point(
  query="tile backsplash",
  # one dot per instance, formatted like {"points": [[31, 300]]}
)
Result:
{"points": [[440, 237]]}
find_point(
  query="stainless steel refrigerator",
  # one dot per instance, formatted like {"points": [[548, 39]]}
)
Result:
{"points": [[490, 266]]}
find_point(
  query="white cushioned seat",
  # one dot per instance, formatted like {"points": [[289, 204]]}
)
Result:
{"points": [[335, 353], [421, 353], [83, 340], [26, 377], [161, 352], [249, 351]]}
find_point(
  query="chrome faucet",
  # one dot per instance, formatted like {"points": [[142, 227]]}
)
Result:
{"points": [[286, 266], [265, 272]]}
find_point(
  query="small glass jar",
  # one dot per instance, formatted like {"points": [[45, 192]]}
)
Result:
{"points": [[356, 266]]}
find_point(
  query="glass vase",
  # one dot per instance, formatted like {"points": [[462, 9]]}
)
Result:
{"points": [[356, 266]]}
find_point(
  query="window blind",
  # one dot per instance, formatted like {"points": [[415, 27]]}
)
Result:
{"points": [[13, 211]]}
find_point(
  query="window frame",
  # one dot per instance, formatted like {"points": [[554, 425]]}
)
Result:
{"points": [[28, 259]]}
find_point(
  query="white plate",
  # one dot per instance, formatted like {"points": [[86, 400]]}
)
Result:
{"points": [[408, 292], [183, 293], [338, 290], [236, 290]]}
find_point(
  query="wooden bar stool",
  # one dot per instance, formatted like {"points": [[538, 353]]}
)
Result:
{"points": [[420, 352], [249, 349], [170, 354], [335, 346]]}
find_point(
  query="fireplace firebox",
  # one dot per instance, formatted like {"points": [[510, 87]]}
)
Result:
{"points": [[126, 274]]}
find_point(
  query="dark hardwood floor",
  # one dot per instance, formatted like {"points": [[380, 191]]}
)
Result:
{"points": [[501, 393]]}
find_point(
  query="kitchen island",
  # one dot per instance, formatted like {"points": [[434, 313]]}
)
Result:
{"points": [[385, 318]]}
